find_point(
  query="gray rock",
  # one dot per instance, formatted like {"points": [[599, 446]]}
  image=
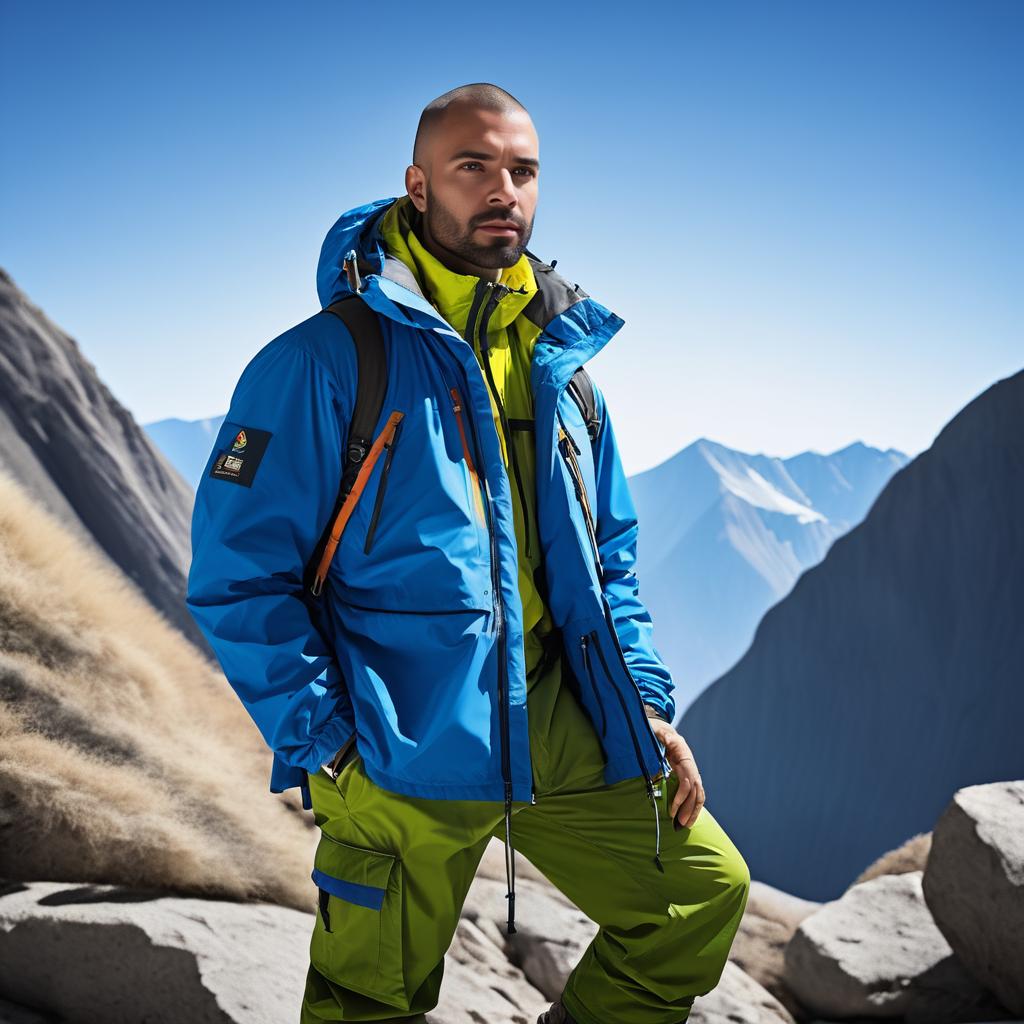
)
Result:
{"points": [[163, 960], [551, 933], [104, 955], [738, 999], [770, 919], [11, 1013], [974, 885], [876, 952], [481, 985]]}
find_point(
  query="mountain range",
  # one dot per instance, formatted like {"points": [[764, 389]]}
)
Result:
{"points": [[890, 676], [724, 535]]}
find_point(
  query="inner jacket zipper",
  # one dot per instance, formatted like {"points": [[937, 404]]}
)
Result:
{"points": [[568, 448], [497, 600], [499, 291], [379, 501]]}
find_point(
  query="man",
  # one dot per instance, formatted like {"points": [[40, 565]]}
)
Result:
{"points": [[473, 659]]}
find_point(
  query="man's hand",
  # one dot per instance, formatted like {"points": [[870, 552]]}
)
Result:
{"points": [[689, 796]]}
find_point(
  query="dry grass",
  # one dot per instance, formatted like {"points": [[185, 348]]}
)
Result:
{"points": [[125, 757], [910, 856]]}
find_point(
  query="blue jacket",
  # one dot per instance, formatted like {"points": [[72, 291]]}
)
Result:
{"points": [[416, 643]]}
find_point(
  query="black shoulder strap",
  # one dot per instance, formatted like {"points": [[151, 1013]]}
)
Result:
{"points": [[371, 385], [581, 387], [372, 382]]}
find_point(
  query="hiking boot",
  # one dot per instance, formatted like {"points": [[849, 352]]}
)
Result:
{"points": [[556, 1014]]}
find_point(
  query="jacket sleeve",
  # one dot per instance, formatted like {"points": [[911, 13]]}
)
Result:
{"points": [[268, 489], [617, 530]]}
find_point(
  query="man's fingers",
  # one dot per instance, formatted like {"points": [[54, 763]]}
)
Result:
{"points": [[688, 804], [681, 792], [698, 805], [688, 801]]}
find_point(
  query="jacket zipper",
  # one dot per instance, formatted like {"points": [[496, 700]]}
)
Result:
{"points": [[497, 600], [478, 503], [499, 620], [584, 639], [629, 675], [390, 445], [625, 712]]}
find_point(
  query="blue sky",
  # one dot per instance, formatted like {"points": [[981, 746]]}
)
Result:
{"points": [[808, 214]]}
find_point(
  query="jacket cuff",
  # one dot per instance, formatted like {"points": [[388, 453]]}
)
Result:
{"points": [[653, 712]]}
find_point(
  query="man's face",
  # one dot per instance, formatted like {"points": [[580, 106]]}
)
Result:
{"points": [[478, 190]]}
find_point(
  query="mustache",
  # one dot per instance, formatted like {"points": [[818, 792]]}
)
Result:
{"points": [[499, 217]]}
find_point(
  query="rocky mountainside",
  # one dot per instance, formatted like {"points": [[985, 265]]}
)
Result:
{"points": [[890, 676], [82, 456], [724, 535]]}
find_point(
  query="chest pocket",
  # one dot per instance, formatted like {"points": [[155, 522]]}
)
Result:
{"points": [[416, 537]]}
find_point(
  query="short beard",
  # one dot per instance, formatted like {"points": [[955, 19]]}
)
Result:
{"points": [[447, 232]]}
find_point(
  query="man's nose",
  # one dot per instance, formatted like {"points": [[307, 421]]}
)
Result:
{"points": [[504, 190]]}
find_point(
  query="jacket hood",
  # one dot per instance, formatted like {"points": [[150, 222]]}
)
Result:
{"points": [[574, 326]]}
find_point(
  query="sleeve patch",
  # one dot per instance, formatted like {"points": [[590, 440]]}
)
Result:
{"points": [[238, 463]]}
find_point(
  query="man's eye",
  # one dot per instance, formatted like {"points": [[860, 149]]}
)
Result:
{"points": [[470, 163], [528, 170]]}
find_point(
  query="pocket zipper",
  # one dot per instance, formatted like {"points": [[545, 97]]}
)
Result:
{"points": [[349, 504], [478, 504], [567, 446], [590, 678], [379, 501]]}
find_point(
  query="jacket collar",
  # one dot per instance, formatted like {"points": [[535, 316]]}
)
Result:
{"points": [[574, 327], [453, 294]]}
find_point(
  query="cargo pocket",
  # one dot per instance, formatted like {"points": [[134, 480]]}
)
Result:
{"points": [[357, 941]]}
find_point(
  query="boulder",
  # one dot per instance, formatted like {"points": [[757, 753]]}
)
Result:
{"points": [[133, 955], [876, 952], [551, 933], [974, 885], [129, 955], [480, 984], [738, 999], [769, 921]]}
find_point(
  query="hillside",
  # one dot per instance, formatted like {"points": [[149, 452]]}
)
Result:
{"points": [[82, 456], [125, 757]]}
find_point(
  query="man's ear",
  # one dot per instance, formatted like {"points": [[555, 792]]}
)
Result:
{"points": [[416, 186]]}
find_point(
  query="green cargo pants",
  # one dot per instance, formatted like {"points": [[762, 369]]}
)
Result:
{"points": [[393, 872]]}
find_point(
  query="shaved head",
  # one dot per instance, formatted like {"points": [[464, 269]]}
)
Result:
{"points": [[476, 96], [473, 179]]}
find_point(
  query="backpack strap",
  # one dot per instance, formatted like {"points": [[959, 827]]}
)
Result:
{"points": [[581, 387], [371, 385]]}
